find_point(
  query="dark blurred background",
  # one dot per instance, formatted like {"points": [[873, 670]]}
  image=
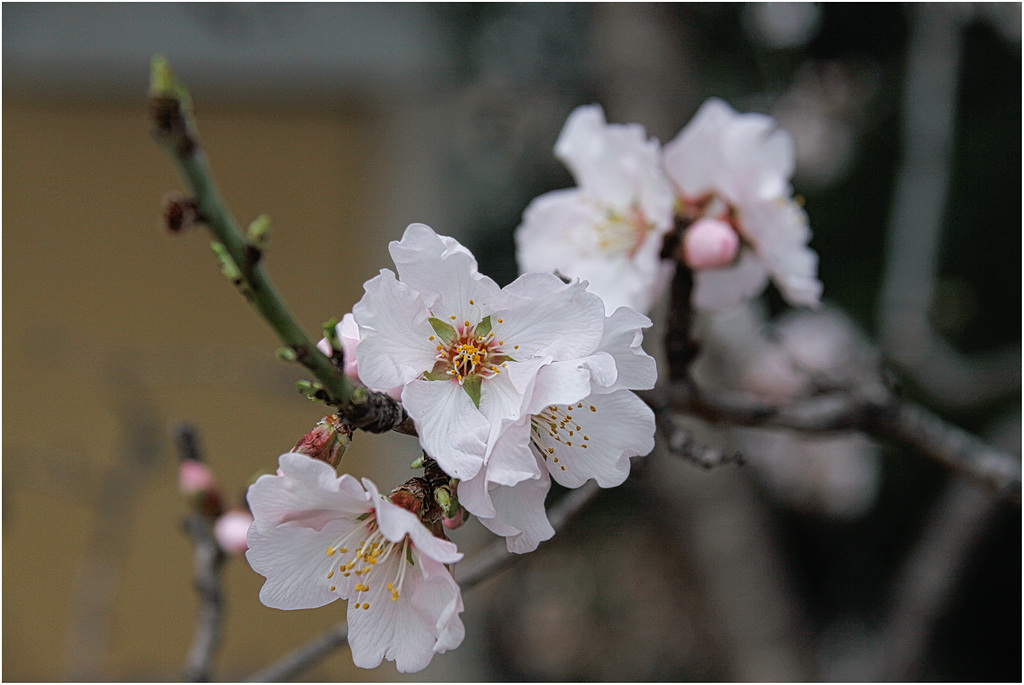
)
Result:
{"points": [[347, 122]]}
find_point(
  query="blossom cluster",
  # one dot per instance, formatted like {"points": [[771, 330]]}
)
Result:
{"points": [[511, 388], [723, 181]]}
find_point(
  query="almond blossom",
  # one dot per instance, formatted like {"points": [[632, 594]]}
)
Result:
{"points": [[464, 351], [609, 229], [735, 169], [317, 537], [582, 421]]}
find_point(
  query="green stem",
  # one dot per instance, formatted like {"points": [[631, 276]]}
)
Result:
{"points": [[175, 131]]}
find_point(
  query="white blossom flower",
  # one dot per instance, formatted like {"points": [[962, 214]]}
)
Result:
{"points": [[465, 351], [609, 229], [581, 421], [736, 168], [318, 537]]}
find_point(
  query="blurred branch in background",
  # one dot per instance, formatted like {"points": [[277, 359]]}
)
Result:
{"points": [[923, 589], [947, 377], [116, 505], [207, 561]]}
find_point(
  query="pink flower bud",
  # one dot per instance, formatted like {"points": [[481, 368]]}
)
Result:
{"points": [[231, 530], [456, 521], [195, 477], [710, 244]]}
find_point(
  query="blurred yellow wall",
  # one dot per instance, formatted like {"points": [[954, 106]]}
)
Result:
{"points": [[107, 319]]}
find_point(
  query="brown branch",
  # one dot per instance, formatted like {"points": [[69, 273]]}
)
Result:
{"points": [[876, 412], [207, 563], [207, 560], [484, 564]]}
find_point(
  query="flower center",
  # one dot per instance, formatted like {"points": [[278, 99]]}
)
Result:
{"points": [[467, 353], [622, 234], [556, 424], [364, 549]]}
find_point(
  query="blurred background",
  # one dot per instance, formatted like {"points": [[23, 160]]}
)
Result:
{"points": [[837, 558]]}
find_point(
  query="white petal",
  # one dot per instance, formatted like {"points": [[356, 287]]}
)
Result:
{"points": [[564, 382], [509, 461], [294, 561], [623, 340], [395, 344], [558, 229], [544, 316], [444, 273], [451, 429], [780, 234], [603, 432], [521, 507], [693, 158], [615, 163], [410, 629]]}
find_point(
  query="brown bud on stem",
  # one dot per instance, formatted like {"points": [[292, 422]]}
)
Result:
{"points": [[180, 213]]}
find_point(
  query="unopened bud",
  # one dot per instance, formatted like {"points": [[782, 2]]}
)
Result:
{"points": [[180, 213], [461, 516], [197, 482], [195, 476], [327, 442], [231, 530], [710, 244]]}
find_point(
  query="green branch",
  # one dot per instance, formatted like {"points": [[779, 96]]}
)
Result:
{"points": [[174, 128]]}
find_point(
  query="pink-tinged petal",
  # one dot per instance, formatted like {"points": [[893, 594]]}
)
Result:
{"points": [[395, 346], [521, 507], [294, 561], [307, 492], [623, 340], [546, 317], [451, 429], [442, 598], [395, 523], [595, 438], [721, 289], [231, 531]]}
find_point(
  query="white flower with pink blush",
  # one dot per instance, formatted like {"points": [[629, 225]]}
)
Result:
{"points": [[317, 537], [732, 171], [464, 351], [581, 421], [609, 229]]}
